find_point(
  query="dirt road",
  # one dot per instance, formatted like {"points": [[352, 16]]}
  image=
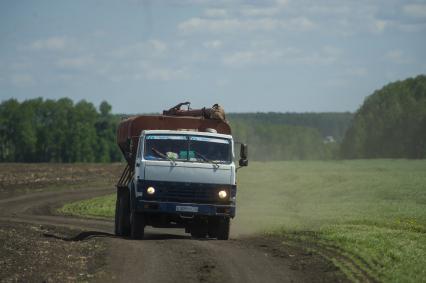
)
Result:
{"points": [[169, 255]]}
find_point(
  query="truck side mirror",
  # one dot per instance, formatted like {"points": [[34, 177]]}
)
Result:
{"points": [[243, 162], [243, 155]]}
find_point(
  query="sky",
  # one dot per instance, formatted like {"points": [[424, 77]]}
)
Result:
{"points": [[249, 56]]}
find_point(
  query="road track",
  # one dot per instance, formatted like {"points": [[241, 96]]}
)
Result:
{"points": [[169, 255]]}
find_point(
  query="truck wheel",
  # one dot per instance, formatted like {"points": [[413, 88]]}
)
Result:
{"points": [[137, 225], [199, 231], [213, 227], [223, 228], [122, 214], [116, 230]]}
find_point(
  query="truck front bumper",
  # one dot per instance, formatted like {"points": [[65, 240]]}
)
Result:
{"points": [[185, 209]]}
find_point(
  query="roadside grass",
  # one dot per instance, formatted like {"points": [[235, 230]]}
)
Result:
{"points": [[367, 216], [102, 207]]}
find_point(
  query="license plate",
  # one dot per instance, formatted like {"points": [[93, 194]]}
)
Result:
{"points": [[186, 208]]}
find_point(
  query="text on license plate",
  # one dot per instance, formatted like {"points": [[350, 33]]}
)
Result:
{"points": [[186, 208]]}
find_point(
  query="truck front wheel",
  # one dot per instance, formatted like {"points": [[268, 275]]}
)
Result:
{"points": [[199, 231], [138, 225], [122, 213], [223, 228], [219, 227]]}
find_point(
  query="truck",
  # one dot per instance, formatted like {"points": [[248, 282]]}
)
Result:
{"points": [[180, 173]]}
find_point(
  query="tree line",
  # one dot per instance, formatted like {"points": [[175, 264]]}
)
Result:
{"points": [[332, 124], [272, 141], [391, 123], [38, 130]]}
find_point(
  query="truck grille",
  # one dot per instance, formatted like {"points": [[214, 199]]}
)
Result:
{"points": [[184, 192]]}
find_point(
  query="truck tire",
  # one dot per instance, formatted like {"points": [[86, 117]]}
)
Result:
{"points": [[213, 227], [116, 229], [137, 225], [122, 213], [223, 228], [199, 230]]}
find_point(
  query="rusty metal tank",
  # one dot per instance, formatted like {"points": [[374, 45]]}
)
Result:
{"points": [[175, 118]]}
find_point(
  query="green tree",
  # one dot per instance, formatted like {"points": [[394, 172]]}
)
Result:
{"points": [[390, 123], [38, 130]]}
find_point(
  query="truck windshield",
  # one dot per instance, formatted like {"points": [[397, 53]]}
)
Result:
{"points": [[187, 148]]}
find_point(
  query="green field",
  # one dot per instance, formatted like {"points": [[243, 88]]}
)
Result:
{"points": [[368, 215]]}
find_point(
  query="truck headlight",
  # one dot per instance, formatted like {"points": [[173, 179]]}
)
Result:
{"points": [[150, 190], [222, 194]]}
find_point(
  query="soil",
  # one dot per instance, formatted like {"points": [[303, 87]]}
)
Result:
{"points": [[37, 245], [27, 255], [18, 178]]}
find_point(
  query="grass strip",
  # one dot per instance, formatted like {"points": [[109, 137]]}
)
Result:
{"points": [[102, 207]]}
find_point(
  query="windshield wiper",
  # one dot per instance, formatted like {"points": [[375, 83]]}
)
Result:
{"points": [[206, 159], [159, 153]]}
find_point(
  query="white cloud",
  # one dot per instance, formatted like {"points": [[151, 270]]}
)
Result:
{"points": [[213, 44], [348, 18], [151, 60], [341, 18], [75, 62], [22, 80], [415, 10], [247, 25], [266, 53], [216, 13], [120, 71], [51, 43]]}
